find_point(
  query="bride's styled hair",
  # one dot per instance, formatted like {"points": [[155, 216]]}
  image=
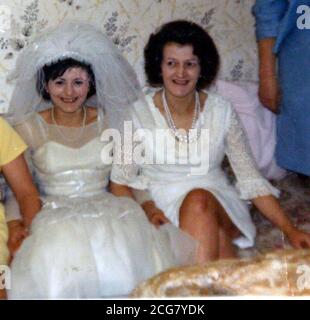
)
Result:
{"points": [[57, 69]]}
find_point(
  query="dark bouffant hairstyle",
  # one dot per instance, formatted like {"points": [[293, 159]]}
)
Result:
{"points": [[57, 69], [184, 33]]}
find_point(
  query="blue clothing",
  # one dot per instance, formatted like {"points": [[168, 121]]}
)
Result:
{"points": [[278, 19]]}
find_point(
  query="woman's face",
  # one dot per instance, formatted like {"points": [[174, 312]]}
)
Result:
{"points": [[180, 69], [69, 91]]}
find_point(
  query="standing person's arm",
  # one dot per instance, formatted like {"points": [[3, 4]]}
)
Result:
{"points": [[268, 15], [269, 91]]}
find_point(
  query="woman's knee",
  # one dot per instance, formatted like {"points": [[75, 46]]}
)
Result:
{"points": [[199, 200], [198, 206]]}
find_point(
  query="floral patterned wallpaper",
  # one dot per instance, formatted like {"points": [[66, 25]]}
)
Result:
{"points": [[129, 23]]}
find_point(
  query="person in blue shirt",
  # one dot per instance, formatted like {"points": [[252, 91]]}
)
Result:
{"points": [[283, 34]]}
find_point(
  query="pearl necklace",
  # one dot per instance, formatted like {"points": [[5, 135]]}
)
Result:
{"points": [[60, 131], [195, 130]]}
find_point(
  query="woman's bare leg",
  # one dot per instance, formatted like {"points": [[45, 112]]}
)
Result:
{"points": [[2, 294], [227, 249], [202, 216]]}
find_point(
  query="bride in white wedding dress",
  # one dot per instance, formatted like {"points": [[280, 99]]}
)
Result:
{"points": [[85, 242]]}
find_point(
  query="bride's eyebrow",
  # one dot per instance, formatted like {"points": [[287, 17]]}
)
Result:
{"points": [[190, 59], [74, 79]]}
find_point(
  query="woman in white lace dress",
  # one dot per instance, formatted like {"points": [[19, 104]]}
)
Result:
{"points": [[85, 242], [187, 187]]}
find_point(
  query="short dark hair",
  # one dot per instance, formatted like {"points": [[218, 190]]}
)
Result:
{"points": [[57, 69], [184, 33]]}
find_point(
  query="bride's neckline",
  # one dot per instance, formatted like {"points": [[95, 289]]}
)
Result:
{"points": [[65, 127]]}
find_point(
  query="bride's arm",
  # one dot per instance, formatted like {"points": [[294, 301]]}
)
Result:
{"points": [[23, 200], [20, 181]]}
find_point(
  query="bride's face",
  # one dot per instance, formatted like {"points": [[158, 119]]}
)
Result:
{"points": [[69, 91]]}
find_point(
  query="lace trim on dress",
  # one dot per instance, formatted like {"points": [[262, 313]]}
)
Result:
{"points": [[250, 182], [256, 188]]}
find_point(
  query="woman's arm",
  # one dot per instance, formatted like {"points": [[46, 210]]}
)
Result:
{"points": [[20, 181], [120, 190], [252, 186], [270, 207], [269, 92], [155, 215], [268, 16]]}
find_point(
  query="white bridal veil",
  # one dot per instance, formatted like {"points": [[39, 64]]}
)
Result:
{"points": [[117, 86]]}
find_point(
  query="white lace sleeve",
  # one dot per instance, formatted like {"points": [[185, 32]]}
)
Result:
{"points": [[250, 182]]}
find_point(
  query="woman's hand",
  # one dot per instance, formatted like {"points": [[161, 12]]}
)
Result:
{"points": [[269, 92], [158, 218], [155, 215], [271, 209], [17, 234], [298, 238]]}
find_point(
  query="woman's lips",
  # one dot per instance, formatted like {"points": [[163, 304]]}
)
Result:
{"points": [[71, 100], [180, 82]]}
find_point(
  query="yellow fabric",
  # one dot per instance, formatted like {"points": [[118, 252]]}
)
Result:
{"points": [[4, 252], [11, 146]]}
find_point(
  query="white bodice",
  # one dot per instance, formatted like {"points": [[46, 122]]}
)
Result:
{"points": [[182, 160], [64, 171], [66, 161]]}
